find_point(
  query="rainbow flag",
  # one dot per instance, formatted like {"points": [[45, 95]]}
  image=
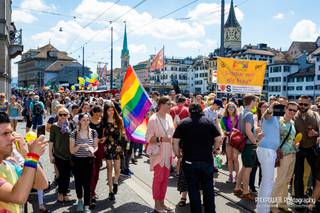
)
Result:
{"points": [[135, 104]]}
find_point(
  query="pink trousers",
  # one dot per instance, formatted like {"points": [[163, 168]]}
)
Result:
{"points": [[160, 182]]}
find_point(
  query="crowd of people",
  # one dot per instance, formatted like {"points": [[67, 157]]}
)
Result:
{"points": [[278, 138]]}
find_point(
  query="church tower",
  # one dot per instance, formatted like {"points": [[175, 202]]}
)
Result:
{"points": [[124, 55], [232, 31]]}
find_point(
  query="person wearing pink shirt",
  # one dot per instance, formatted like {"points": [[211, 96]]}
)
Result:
{"points": [[159, 137]]}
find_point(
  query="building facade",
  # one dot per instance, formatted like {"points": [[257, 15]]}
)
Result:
{"points": [[65, 72], [302, 83], [174, 75], [10, 45], [33, 64], [200, 80]]}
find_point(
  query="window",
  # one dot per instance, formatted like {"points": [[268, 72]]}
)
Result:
{"points": [[290, 79], [317, 87], [290, 88], [300, 79], [318, 77], [284, 79], [309, 78], [318, 58], [319, 67], [309, 87], [299, 88], [286, 69], [284, 88]]}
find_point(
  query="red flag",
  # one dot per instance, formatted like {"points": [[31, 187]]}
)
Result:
{"points": [[158, 61]]}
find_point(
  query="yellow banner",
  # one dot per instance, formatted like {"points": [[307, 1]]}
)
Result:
{"points": [[240, 76]]}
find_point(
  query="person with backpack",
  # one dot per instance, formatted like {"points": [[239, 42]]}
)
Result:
{"points": [[246, 127], [36, 112], [227, 123], [83, 144]]}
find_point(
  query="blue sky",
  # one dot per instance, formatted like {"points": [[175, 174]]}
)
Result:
{"points": [[191, 31]]}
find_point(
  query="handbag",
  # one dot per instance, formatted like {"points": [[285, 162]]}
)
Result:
{"points": [[279, 151], [238, 140]]}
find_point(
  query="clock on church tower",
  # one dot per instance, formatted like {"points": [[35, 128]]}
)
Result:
{"points": [[232, 31]]}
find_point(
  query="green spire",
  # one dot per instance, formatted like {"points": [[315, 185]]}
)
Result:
{"points": [[232, 20], [125, 50]]}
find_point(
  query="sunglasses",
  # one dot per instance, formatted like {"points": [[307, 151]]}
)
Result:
{"points": [[65, 115], [303, 104], [231, 107], [292, 110]]}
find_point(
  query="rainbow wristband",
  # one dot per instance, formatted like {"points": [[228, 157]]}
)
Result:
{"points": [[31, 160]]}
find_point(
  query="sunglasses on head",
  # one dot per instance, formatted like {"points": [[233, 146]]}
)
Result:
{"points": [[231, 107], [303, 104], [62, 114]]}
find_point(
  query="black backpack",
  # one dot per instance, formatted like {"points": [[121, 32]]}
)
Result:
{"points": [[37, 108]]}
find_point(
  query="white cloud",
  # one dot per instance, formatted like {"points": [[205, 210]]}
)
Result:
{"points": [[209, 13], [71, 30], [279, 16], [190, 44], [211, 43], [36, 5], [138, 23], [23, 15], [137, 48], [304, 30]]}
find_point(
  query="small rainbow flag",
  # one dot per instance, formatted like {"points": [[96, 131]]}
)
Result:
{"points": [[135, 104]]}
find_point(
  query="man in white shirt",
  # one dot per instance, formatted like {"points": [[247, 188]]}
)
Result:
{"points": [[212, 112]]}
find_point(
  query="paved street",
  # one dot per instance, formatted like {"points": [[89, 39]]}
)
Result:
{"points": [[135, 193]]}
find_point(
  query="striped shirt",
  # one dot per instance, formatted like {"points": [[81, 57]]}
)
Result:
{"points": [[83, 152]]}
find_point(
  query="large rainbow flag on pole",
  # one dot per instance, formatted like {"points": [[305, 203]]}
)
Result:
{"points": [[135, 104]]}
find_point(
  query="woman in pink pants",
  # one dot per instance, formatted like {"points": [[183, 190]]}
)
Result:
{"points": [[159, 136]]}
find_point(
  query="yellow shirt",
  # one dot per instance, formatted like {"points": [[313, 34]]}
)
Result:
{"points": [[8, 173]]}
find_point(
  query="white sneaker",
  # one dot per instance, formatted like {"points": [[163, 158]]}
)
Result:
{"points": [[79, 206]]}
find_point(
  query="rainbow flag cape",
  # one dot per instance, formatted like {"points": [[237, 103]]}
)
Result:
{"points": [[135, 104]]}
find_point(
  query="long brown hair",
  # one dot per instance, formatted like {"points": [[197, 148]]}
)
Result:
{"points": [[226, 112], [259, 111], [116, 115]]}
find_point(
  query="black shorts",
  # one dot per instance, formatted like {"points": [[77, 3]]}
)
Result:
{"points": [[28, 123]]}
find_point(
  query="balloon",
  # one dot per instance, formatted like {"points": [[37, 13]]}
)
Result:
{"points": [[31, 136], [298, 138], [73, 88], [95, 87], [94, 76], [254, 110], [81, 80]]}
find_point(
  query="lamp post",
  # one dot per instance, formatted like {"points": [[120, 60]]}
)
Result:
{"points": [[111, 64]]}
